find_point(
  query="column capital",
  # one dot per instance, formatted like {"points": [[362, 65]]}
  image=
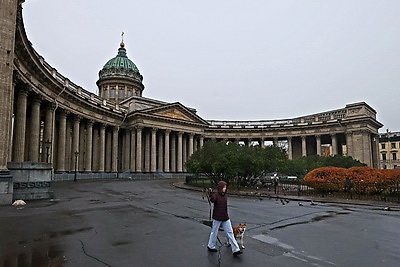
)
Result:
{"points": [[23, 91], [167, 131], [50, 106], [64, 113], [154, 129], [77, 118], [37, 99], [90, 123]]}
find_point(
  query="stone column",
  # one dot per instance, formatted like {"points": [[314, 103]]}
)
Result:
{"points": [[275, 141], [108, 149], [166, 150], [68, 145], [147, 143], [290, 149], [89, 145], [62, 135], [102, 147], [179, 153], [82, 148], [262, 145], [349, 144], [139, 149], [201, 141], [248, 142], [47, 134], [304, 146], [367, 149], [173, 153], [127, 141], [75, 141], [114, 159], [8, 15], [19, 126], [191, 144], [35, 130], [334, 144], [195, 144], [184, 151], [153, 164], [133, 150], [160, 155], [376, 163], [318, 140]]}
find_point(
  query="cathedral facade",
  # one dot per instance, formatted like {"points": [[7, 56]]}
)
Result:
{"points": [[50, 123]]}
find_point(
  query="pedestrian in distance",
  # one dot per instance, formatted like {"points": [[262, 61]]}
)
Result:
{"points": [[220, 217]]}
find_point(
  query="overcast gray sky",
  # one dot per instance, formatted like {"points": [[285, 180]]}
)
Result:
{"points": [[231, 59]]}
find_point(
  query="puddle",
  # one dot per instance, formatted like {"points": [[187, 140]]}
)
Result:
{"points": [[52, 235], [40, 256], [120, 243], [330, 214], [207, 223]]}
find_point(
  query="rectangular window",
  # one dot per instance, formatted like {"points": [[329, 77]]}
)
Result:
{"points": [[393, 145], [394, 156], [121, 94], [383, 146], [112, 95], [384, 156]]}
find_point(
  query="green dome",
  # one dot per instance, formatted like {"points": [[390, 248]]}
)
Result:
{"points": [[121, 61]]}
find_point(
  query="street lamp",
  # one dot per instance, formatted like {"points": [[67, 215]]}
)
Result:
{"points": [[76, 165], [47, 144]]}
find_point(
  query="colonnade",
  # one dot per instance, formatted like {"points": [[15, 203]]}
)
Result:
{"points": [[359, 144], [43, 132]]}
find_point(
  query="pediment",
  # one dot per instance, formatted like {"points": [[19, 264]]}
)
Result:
{"points": [[174, 114], [174, 111]]}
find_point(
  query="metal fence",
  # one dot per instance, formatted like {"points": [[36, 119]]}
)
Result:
{"points": [[382, 191]]}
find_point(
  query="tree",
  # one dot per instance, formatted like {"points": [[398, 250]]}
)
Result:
{"points": [[240, 165]]}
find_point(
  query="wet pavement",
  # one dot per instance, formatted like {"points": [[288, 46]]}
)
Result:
{"points": [[154, 223]]}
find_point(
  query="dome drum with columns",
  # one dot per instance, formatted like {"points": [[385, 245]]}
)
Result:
{"points": [[49, 122], [120, 78]]}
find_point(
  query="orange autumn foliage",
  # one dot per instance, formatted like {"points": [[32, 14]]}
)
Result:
{"points": [[358, 179]]}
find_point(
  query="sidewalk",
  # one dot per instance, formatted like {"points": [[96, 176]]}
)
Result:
{"points": [[268, 194]]}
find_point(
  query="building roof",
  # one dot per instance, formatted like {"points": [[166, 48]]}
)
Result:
{"points": [[120, 64]]}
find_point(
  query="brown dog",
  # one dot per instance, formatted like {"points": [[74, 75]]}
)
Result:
{"points": [[238, 232]]}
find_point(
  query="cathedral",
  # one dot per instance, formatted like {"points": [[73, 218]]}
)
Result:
{"points": [[52, 129]]}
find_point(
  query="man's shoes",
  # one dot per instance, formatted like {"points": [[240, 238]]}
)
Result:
{"points": [[211, 249], [236, 253]]}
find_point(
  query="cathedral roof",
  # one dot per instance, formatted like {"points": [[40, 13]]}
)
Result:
{"points": [[120, 64]]}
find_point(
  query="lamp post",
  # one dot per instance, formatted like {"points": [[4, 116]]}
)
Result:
{"points": [[76, 165], [47, 144]]}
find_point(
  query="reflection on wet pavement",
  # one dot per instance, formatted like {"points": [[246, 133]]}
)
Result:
{"points": [[38, 251], [38, 256]]}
